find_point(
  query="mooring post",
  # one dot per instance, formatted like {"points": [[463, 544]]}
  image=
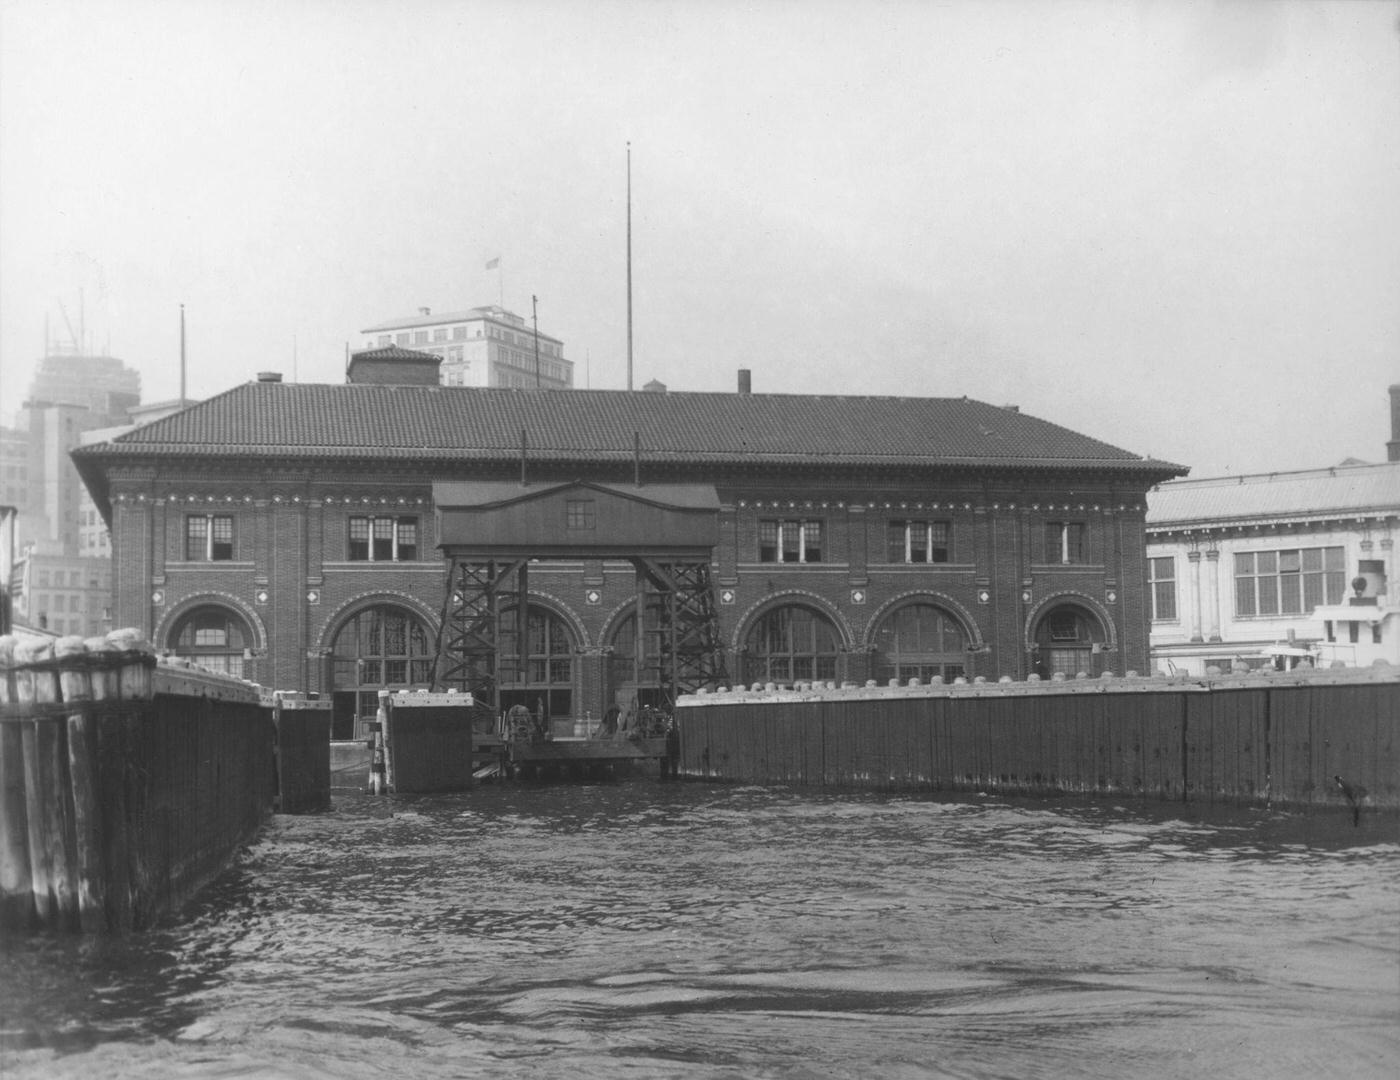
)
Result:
{"points": [[386, 731], [378, 782]]}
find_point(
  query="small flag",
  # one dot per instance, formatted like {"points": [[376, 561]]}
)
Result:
{"points": [[494, 263]]}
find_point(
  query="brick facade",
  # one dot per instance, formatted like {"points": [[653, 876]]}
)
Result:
{"points": [[292, 581], [865, 528]]}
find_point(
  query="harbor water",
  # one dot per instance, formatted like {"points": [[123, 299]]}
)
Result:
{"points": [[640, 929]]}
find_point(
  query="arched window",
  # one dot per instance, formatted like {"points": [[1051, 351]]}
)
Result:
{"points": [[919, 641], [790, 644], [544, 674], [1068, 639], [214, 638], [622, 661], [379, 648]]}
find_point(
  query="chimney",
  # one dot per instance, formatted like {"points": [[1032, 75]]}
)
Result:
{"points": [[745, 381], [269, 376], [425, 311], [1392, 448]]}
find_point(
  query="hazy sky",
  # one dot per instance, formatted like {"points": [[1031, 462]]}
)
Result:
{"points": [[1171, 225]]}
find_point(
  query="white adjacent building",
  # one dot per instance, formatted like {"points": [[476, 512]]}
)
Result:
{"points": [[483, 346], [1275, 569]]}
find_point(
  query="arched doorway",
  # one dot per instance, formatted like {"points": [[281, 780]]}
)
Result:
{"points": [[792, 643], [212, 637], [542, 676], [1068, 639], [378, 648], [919, 641]]}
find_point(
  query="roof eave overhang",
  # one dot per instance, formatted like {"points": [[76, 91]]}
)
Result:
{"points": [[1155, 471]]}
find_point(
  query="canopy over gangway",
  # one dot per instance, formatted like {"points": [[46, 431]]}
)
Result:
{"points": [[576, 519], [491, 531]]}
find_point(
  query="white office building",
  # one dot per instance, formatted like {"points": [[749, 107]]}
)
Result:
{"points": [[483, 346]]}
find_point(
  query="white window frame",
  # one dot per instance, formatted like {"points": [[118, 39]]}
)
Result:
{"points": [[397, 522]]}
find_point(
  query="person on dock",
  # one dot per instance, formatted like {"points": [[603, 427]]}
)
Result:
{"points": [[607, 729]]}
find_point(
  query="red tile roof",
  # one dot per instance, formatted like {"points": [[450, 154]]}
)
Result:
{"points": [[452, 423]]}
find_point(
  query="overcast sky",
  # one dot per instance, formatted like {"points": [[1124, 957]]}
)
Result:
{"points": [[1174, 226]]}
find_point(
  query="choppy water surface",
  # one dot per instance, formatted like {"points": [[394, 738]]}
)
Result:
{"points": [[687, 930]]}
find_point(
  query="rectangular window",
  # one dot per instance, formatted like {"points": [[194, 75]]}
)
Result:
{"points": [[580, 514], [383, 539], [918, 541], [359, 539], [1064, 542], [420, 337], [459, 333], [1162, 578], [440, 333], [767, 541], [208, 537], [385, 340], [407, 540], [1288, 582], [401, 339], [792, 540]]}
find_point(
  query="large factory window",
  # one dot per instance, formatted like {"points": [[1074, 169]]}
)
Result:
{"points": [[790, 644], [624, 680], [919, 641], [379, 648], [1068, 639], [541, 679], [213, 638]]}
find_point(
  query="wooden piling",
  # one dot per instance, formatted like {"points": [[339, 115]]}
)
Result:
{"points": [[75, 683], [384, 715], [46, 815], [16, 882], [113, 756], [133, 684]]}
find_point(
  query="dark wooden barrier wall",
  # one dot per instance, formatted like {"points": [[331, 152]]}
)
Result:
{"points": [[128, 785], [427, 741], [303, 754], [1251, 740]]}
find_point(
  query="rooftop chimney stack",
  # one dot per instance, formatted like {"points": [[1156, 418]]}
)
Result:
{"points": [[746, 381], [1392, 448]]}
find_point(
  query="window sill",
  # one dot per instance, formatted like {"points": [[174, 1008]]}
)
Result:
{"points": [[901, 567], [793, 566], [209, 564], [367, 564]]}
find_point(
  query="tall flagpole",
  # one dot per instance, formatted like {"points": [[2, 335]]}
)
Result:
{"points": [[629, 265], [182, 356], [535, 313]]}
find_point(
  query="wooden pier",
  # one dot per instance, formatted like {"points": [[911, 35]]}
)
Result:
{"points": [[438, 742]]}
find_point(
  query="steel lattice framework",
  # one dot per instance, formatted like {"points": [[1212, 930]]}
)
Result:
{"points": [[469, 638], [689, 645], [681, 592]]}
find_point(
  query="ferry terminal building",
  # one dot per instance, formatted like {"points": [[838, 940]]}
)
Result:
{"points": [[394, 533]]}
